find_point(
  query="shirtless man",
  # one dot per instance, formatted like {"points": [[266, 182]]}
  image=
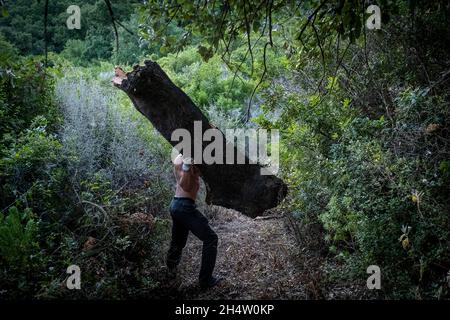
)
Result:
{"points": [[186, 217]]}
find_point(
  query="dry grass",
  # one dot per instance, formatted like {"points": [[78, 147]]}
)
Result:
{"points": [[269, 258], [254, 257]]}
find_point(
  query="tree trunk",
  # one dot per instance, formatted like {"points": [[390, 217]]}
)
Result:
{"points": [[237, 186]]}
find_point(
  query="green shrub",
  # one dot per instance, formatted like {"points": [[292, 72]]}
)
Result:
{"points": [[210, 84], [27, 166], [25, 93], [21, 258], [18, 232], [373, 172]]}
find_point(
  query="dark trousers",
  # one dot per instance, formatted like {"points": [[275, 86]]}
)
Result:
{"points": [[186, 217]]}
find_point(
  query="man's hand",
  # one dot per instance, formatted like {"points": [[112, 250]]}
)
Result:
{"points": [[187, 164]]}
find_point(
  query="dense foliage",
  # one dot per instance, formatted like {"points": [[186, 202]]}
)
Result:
{"points": [[364, 117]]}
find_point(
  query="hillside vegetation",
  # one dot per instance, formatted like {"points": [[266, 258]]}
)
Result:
{"points": [[364, 119]]}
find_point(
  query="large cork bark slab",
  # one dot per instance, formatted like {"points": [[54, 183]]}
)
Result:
{"points": [[236, 186]]}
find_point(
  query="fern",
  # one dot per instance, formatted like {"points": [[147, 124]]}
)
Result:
{"points": [[18, 231]]}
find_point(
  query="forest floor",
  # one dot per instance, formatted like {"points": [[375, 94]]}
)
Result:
{"points": [[257, 259]]}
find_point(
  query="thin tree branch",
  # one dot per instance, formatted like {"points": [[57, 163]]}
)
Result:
{"points": [[45, 32], [310, 18], [270, 22], [259, 83], [126, 29], [321, 52], [113, 21], [248, 31]]}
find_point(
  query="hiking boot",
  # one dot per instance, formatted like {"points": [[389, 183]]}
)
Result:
{"points": [[211, 283]]}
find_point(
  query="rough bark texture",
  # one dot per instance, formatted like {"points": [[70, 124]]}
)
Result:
{"points": [[237, 186]]}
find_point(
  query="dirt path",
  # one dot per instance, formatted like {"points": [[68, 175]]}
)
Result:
{"points": [[254, 257]]}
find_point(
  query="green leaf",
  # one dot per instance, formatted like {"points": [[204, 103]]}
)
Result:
{"points": [[206, 53], [5, 12], [163, 50]]}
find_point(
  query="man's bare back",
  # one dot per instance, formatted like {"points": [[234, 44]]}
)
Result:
{"points": [[187, 181]]}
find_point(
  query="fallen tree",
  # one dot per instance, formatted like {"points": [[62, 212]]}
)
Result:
{"points": [[236, 186]]}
